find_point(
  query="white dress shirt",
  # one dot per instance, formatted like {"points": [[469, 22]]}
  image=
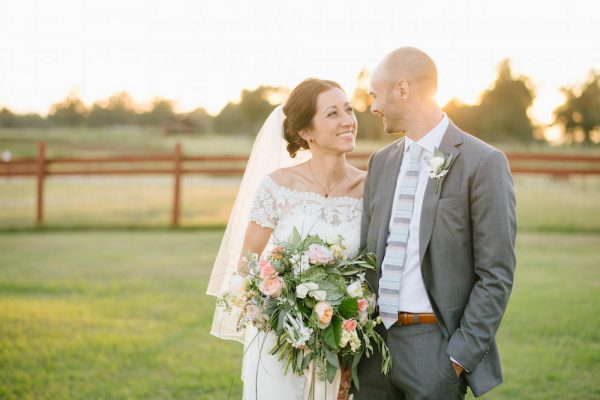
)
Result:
{"points": [[413, 296]]}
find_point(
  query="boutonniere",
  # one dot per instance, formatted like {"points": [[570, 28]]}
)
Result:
{"points": [[438, 166]]}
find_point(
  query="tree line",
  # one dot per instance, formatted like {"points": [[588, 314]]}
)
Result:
{"points": [[501, 115]]}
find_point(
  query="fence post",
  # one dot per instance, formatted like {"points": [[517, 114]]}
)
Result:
{"points": [[177, 188], [41, 175]]}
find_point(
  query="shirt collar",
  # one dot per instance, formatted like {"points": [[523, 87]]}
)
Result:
{"points": [[433, 138]]}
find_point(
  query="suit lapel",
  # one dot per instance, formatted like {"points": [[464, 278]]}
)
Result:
{"points": [[452, 138], [388, 182]]}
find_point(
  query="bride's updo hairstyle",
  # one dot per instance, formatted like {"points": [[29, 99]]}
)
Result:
{"points": [[299, 110]]}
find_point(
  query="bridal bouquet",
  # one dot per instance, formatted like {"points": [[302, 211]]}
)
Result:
{"points": [[316, 302]]}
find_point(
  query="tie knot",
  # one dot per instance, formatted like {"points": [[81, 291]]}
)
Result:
{"points": [[415, 151]]}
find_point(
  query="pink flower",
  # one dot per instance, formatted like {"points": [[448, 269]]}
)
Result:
{"points": [[272, 286], [266, 269], [349, 325], [324, 313], [363, 304], [318, 254], [277, 252]]}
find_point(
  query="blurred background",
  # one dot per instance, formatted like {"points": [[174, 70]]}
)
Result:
{"points": [[125, 127]]}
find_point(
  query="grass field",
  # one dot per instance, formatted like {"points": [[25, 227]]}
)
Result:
{"points": [[123, 315], [543, 203]]}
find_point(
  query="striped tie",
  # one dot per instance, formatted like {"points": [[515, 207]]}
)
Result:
{"points": [[395, 252]]}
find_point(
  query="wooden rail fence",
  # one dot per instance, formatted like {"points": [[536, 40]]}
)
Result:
{"points": [[177, 164]]}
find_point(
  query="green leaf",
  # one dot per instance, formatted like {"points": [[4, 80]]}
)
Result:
{"points": [[299, 360], [354, 368], [332, 358], [329, 337], [348, 308], [354, 372], [281, 319], [447, 163], [306, 360], [294, 239], [336, 323], [331, 370]]}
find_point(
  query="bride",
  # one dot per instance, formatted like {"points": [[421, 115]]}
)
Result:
{"points": [[316, 191]]}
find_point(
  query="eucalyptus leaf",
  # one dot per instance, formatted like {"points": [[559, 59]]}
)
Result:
{"points": [[306, 361], [332, 358], [331, 370]]}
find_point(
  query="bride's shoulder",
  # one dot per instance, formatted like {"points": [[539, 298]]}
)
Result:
{"points": [[358, 175], [287, 176], [357, 181]]}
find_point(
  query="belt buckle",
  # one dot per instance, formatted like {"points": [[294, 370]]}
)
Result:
{"points": [[416, 320]]}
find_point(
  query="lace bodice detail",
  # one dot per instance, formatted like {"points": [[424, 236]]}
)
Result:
{"points": [[281, 209]]}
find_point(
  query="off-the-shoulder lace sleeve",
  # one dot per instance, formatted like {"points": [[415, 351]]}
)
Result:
{"points": [[264, 210]]}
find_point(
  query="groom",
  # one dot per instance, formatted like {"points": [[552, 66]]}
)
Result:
{"points": [[439, 212]]}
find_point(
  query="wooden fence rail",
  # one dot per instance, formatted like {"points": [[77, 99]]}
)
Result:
{"points": [[177, 165]]}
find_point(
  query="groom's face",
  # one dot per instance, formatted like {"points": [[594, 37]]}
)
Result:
{"points": [[385, 105]]}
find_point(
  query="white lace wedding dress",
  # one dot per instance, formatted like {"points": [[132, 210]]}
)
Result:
{"points": [[281, 209]]}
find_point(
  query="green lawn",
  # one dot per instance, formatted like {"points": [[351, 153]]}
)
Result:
{"points": [[123, 315], [544, 204]]}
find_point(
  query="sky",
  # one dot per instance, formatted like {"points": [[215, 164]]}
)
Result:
{"points": [[203, 53]]}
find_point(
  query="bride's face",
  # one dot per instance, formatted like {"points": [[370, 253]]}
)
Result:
{"points": [[334, 125]]}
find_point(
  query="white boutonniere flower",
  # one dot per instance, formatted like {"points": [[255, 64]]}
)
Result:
{"points": [[438, 166]]}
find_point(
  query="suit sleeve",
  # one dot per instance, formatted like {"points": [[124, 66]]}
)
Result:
{"points": [[493, 219], [366, 214]]}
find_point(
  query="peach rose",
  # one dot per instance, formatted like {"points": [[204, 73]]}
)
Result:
{"points": [[349, 325], [324, 313], [272, 286], [266, 269], [363, 304]]}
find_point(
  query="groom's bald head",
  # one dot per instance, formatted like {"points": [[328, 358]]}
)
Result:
{"points": [[412, 65]]}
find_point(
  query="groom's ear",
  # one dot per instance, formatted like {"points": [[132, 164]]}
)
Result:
{"points": [[402, 89]]}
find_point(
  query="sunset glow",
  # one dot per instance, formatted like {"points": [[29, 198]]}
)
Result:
{"points": [[202, 54]]}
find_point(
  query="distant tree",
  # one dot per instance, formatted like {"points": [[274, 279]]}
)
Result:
{"points": [[7, 118], [501, 114], [119, 109], [201, 119], [161, 111], [581, 110], [248, 116], [31, 120], [369, 124], [467, 117], [230, 120], [69, 112], [255, 107]]}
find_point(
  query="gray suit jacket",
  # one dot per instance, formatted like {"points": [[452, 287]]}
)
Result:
{"points": [[466, 245]]}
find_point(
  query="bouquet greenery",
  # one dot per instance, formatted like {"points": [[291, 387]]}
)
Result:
{"points": [[315, 300]]}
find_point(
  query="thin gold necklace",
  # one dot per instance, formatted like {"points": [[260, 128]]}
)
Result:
{"points": [[327, 190]]}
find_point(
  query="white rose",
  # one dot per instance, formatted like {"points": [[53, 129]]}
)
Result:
{"points": [[303, 289], [237, 284], [354, 341], [346, 336], [355, 289], [319, 295], [436, 163]]}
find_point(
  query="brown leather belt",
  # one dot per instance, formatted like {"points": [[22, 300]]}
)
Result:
{"points": [[405, 318]]}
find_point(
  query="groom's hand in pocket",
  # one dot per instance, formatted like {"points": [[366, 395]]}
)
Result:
{"points": [[457, 368]]}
